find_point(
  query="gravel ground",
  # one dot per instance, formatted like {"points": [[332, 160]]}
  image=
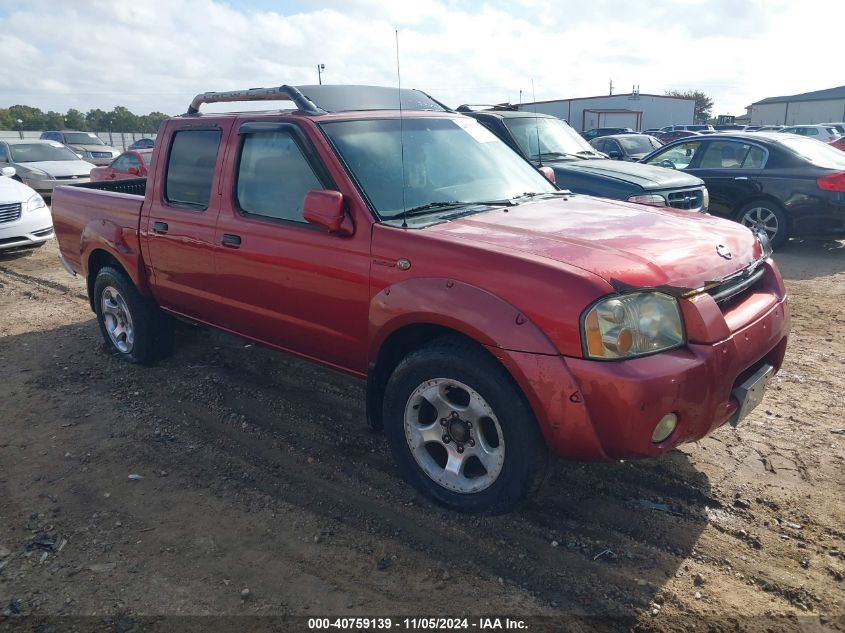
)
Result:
{"points": [[232, 480]]}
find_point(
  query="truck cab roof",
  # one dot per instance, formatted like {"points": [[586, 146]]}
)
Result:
{"points": [[327, 99]]}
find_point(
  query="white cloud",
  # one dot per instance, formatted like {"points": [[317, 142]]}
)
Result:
{"points": [[156, 54]]}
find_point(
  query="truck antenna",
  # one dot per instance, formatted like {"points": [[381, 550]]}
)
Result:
{"points": [[536, 123], [401, 136]]}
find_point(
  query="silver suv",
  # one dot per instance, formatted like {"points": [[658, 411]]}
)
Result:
{"points": [[87, 145]]}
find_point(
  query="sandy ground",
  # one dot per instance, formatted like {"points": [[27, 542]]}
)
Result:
{"points": [[258, 472]]}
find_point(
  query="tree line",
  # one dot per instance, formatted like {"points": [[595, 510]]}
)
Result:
{"points": [[118, 120]]}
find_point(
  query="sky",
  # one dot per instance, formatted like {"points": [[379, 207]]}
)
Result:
{"points": [[155, 55]]}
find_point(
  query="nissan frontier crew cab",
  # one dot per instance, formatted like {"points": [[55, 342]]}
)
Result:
{"points": [[496, 319]]}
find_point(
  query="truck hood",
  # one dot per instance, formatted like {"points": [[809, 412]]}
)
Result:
{"points": [[633, 244], [100, 149], [649, 177]]}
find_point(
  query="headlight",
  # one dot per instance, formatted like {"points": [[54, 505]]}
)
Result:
{"points": [[35, 202], [766, 249], [653, 199], [631, 325], [37, 174]]}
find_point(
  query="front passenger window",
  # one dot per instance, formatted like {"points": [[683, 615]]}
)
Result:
{"points": [[677, 157], [274, 176]]}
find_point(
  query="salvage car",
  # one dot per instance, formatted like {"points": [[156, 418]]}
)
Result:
{"points": [[783, 184], [130, 164], [25, 220], [579, 167], [494, 317], [43, 164], [86, 145]]}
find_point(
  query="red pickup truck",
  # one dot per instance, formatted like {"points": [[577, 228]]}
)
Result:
{"points": [[496, 318]]}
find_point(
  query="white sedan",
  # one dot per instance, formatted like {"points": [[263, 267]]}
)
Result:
{"points": [[43, 165], [24, 217]]}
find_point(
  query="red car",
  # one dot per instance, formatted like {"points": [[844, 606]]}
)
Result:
{"points": [[839, 143], [494, 317], [133, 163]]}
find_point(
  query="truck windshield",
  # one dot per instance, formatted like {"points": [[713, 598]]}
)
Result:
{"points": [[37, 152], [82, 138], [556, 139], [447, 161]]}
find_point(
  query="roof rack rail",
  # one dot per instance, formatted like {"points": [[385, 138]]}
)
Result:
{"points": [[468, 107], [282, 93]]}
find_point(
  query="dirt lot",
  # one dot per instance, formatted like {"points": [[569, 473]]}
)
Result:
{"points": [[258, 472]]}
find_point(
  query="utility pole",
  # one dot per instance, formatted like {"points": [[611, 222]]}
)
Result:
{"points": [[320, 69], [611, 87]]}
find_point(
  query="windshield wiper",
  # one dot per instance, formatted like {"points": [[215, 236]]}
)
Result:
{"points": [[452, 204], [588, 152], [553, 155]]}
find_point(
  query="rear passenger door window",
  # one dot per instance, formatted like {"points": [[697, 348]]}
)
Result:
{"points": [[190, 168], [274, 176], [731, 155]]}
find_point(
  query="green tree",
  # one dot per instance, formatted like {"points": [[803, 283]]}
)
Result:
{"points": [[33, 118], [75, 120], [703, 103]]}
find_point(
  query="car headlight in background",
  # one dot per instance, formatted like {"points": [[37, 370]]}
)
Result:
{"points": [[35, 202], [625, 326], [653, 199], [37, 174], [766, 249]]}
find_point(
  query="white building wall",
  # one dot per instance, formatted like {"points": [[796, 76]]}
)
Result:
{"points": [[656, 111], [798, 112]]}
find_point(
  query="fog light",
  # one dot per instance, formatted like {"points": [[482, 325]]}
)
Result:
{"points": [[664, 428]]}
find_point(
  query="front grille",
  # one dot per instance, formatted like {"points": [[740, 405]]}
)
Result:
{"points": [[692, 199], [101, 154], [10, 212], [737, 284]]}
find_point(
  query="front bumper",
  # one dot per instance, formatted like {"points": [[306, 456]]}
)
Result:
{"points": [[45, 187], [592, 410], [32, 229]]}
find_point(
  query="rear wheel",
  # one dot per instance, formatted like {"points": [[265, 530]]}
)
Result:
{"points": [[460, 429], [133, 327], [763, 215]]}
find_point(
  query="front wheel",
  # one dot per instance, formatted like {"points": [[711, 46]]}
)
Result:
{"points": [[132, 326], [762, 215], [461, 431]]}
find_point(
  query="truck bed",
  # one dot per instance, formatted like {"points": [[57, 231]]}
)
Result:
{"points": [[88, 213]]}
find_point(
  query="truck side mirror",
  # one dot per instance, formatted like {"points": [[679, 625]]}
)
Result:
{"points": [[324, 208], [548, 172]]}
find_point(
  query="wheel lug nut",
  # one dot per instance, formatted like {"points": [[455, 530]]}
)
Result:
{"points": [[469, 424], [443, 422], [446, 439], [471, 442], [460, 448]]}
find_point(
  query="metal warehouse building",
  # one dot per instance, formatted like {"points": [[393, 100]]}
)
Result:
{"points": [[634, 110], [820, 106]]}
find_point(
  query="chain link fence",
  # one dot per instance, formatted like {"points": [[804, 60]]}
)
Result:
{"points": [[118, 140]]}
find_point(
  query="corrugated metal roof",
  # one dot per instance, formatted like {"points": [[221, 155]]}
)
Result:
{"points": [[816, 95]]}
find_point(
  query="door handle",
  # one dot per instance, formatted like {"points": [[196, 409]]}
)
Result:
{"points": [[160, 227], [232, 241], [741, 178]]}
